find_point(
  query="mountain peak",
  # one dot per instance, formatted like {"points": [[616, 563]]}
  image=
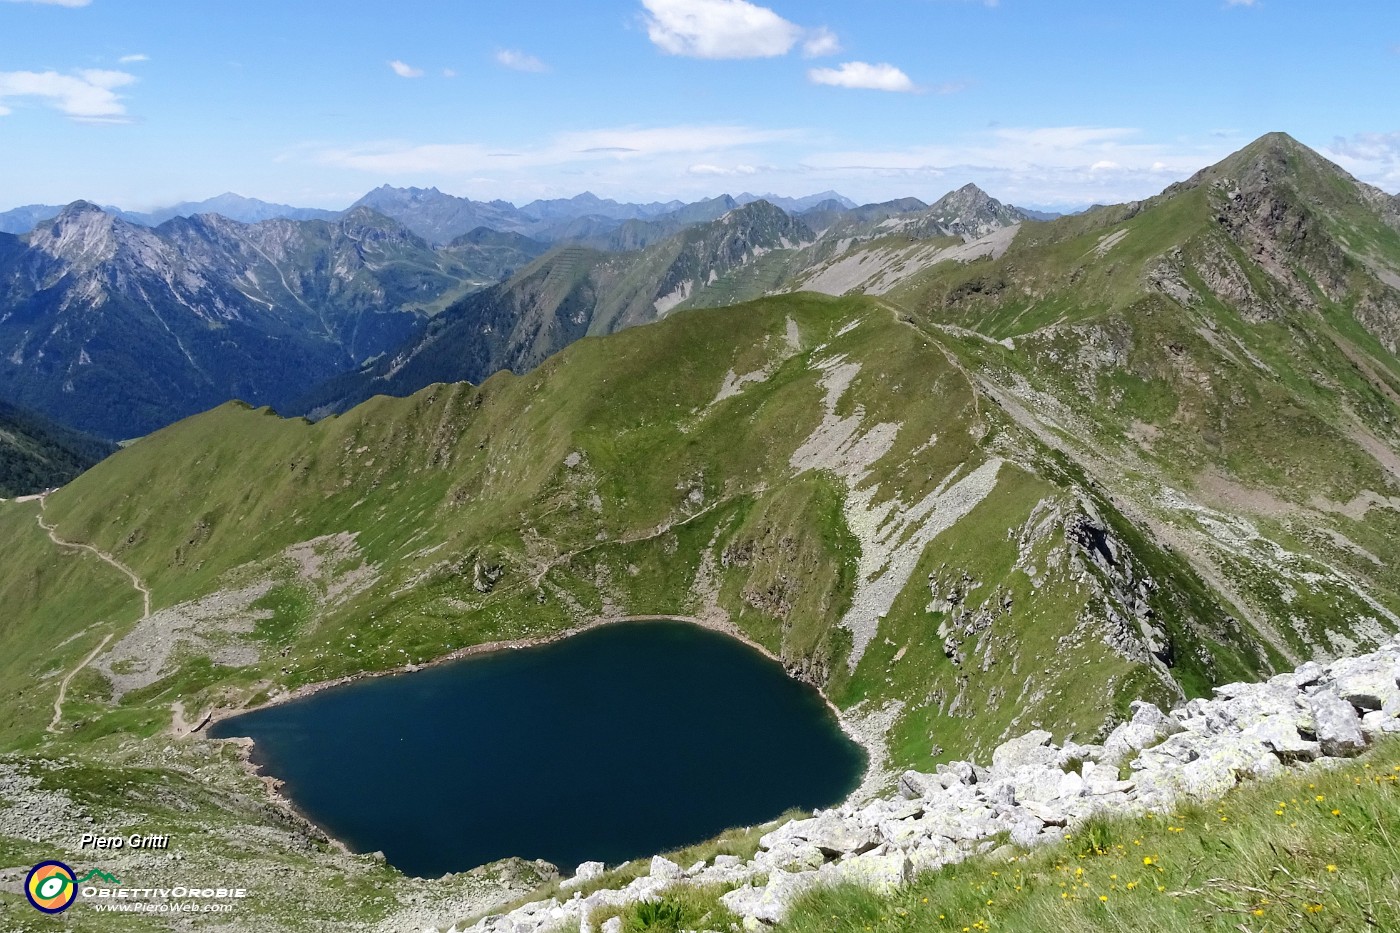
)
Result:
{"points": [[1269, 158], [1276, 141], [82, 233], [970, 211], [77, 209]]}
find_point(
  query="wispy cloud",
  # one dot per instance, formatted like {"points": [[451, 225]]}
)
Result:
{"points": [[718, 29], [625, 144], [881, 77], [132, 59], [55, 2], [705, 168], [87, 96], [405, 70], [1373, 157], [1053, 167], [820, 41], [1067, 165], [520, 61]]}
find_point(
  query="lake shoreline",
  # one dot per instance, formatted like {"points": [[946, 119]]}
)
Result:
{"points": [[865, 732]]}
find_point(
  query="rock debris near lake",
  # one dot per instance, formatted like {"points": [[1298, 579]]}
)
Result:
{"points": [[1032, 793]]}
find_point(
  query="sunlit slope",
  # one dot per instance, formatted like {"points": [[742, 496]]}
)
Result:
{"points": [[1223, 358], [815, 470]]}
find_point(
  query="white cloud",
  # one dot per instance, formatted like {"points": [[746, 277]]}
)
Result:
{"points": [[718, 29], [71, 3], [1372, 157], [820, 41], [705, 168], [881, 77], [1067, 165], [131, 59], [87, 96], [626, 144], [449, 73], [666, 139], [405, 70], [1040, 167], [519, 61], [1240, 2]]}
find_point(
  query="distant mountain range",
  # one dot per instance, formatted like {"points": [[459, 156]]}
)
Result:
{"points": [[119, 329], [232, 206], [590, 289], [439, 218], [118, 326]]}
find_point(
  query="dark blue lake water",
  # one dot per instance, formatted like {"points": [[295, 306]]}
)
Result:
{"points": [[623, 741]]}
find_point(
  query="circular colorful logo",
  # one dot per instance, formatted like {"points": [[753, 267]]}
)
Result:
{"points": [[51, 887]]}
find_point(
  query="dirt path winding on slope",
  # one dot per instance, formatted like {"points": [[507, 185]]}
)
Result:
{"points": [[103, 555], [63, 684], [136, 584]]}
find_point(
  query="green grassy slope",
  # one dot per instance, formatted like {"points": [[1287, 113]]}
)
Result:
{"points": [[1222, 357]]}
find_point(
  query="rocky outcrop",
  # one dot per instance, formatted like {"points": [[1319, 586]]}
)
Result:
{"points": [[1033, 793]]}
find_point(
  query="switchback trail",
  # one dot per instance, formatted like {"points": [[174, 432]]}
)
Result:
{"points": [[136, 584]]}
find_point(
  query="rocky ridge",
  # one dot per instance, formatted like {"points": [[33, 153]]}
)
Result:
{"points": [[1034, 792]]}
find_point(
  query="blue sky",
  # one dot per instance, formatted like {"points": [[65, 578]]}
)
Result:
{"points": [[1045, 103]]}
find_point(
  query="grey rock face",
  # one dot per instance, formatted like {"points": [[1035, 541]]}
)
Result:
{"points": [[1336, 724], [664, 869], [585, 872], [1032, 749], [1367, 683], [769, 903]]}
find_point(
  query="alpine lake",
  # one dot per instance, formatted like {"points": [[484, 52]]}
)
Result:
{"points": [[625, 740]]}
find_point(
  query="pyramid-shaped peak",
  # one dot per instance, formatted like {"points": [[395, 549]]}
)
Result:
{"points": [[1269, 160], [1277, 141], [969, 196]]}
